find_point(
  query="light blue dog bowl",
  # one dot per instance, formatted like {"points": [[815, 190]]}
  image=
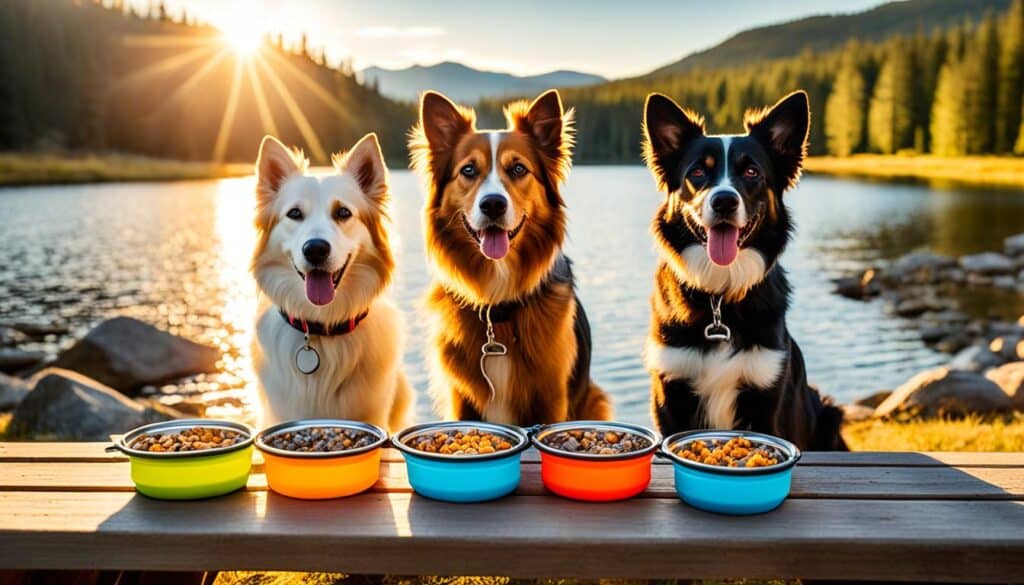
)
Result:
{"points": [[737, 491], [463, 478]]}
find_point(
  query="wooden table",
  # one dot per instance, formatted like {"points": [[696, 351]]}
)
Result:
{"points": [[865, 516]]}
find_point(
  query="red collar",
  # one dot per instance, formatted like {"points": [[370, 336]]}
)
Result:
{"points": [[316, 328]]}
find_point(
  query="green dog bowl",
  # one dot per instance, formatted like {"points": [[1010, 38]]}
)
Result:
{"points": [[189, 475]]}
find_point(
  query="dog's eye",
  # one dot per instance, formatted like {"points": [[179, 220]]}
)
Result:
{"points": [[343, 213], [751, 173], [468, 171], [294, 213], [517, 170], [697, 173]]}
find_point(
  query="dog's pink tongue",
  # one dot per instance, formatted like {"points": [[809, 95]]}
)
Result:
{"points": [[723, 244], [319, 287], [494, 243]]}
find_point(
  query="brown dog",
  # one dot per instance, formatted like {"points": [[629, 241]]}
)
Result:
{"points": [[494, 223]]}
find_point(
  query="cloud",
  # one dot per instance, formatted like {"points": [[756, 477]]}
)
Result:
{"points": [[399, 32]]}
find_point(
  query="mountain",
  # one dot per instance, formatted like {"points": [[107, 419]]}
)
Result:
{"points": [[820, 33], [465, 84]]}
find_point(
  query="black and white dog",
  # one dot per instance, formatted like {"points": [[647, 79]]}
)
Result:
{"points": [[719, 352]]}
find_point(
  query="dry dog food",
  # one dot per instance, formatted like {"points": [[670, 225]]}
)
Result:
{"points": [[458, 442], [194, 439], [321, 439], [596, 442], [736, 452]]}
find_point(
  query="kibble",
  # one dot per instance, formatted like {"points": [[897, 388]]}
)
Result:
{"points": [[460, 442], [193, 439], [596, 442], [736, 452], [321, 439]]}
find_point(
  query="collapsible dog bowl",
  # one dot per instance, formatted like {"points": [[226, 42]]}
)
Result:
{"points": [[731, 490], [189, 475], [463, 478], [595, 478], [321, 475]]}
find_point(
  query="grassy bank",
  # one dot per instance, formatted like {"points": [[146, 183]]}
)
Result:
{"points": [[993, 171], [970, 434], [50, 169]]}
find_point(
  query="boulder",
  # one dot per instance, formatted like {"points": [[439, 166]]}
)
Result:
{"points": [[12, 391], [36, 329], [987, 263], [127, 354], [1010, 377], [856, 412], [68, 406], [13, 359], [1004, 281], [1009, 347], [872, 401], [10, 336], [976, 358], [1014, 245], [920, 267], [944, 392]]}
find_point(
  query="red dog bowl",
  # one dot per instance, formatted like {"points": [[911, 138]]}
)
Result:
{"points": [[595, 477]]}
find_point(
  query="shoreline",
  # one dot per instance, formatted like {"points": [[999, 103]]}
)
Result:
{"points": [[974, 171], [31, 169]]}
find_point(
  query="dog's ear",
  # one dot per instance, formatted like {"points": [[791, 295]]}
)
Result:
{"points": [[275, 164], [550, 126], [783, 129], [366, 164], [668, 128]]}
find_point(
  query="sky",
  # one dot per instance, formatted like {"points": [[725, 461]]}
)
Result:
{"points": [[524, 37]]}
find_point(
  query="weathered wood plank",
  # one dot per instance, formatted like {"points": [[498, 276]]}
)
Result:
{"points": [[519, 536], [996, 483], [56, 452]]}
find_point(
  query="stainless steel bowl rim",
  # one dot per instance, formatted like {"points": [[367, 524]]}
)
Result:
{"points": [[299, 424], [182, 424], [791, 451], [517, 433], [596, 425]]}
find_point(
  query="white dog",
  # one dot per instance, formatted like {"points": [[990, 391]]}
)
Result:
{"points": [[328, 343]]}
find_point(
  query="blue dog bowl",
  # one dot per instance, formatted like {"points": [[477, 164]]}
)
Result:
{"points": [[737, 491], [463, 478]]}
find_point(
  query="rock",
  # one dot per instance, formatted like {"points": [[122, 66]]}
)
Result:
{"points": [[944, 392], [12, 391], [858, 287], [987, 263], [915, 306], [856, 412], [127, 354], [67, 406], [953, 343], [37, 329], [975, 358], [934, 333], [921, 267], [975, 279], [1010, 377], [1004, 281], [1008, 347], [13, 359], [874, 400], [1014, 245], [10, 336]]}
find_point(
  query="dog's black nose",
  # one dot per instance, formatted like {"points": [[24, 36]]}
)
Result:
{"points": [[493, 206], [316, 251], [725, 202]]}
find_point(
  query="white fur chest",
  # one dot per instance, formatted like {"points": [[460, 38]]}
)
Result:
{"points": [[716, 375]]}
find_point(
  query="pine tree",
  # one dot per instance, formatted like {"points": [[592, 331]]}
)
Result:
{"points": [[981, 59], [844, 111], [949, 137], [890, 114], [1011, 84]]}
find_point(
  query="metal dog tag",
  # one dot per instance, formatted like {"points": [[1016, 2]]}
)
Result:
{"points": [[493, 348], [717, 332], [307, 360]]}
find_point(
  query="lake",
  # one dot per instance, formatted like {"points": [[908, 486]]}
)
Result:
{"points": [[177, 255]]}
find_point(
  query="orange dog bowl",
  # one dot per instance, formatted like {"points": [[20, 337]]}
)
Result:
{"points": [[323, 474], [595, 478]]}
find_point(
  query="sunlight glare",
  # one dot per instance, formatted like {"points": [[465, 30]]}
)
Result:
{"points": [[243, 36]]}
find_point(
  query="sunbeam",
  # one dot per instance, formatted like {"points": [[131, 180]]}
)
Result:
{"points": [[166, 41], [313, 87], [262, 107], [192, 81], [228, 119], [167, 65], [294, 111]]}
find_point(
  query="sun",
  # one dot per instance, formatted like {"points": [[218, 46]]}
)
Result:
{"points": [[242, 37]]}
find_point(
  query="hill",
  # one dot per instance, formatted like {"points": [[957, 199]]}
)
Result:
{"points": [[466, 84], [820, 33]]}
